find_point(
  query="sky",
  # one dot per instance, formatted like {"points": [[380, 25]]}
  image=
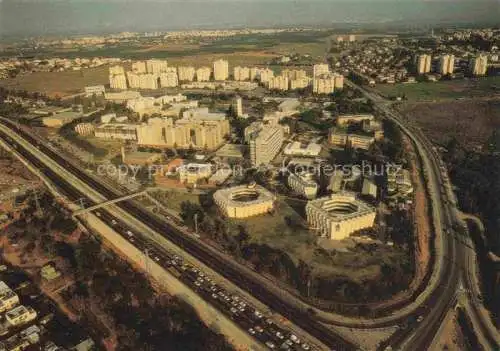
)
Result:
{"points": [[48, 17]]}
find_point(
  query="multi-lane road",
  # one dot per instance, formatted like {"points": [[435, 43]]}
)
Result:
{"points": [[431, 305], [189, 244], [459, 271]]}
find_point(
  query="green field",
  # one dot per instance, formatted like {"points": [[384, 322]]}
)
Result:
{"points": [[442, 90]]}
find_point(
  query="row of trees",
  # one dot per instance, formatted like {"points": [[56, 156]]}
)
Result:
{"points": [[142, 319]]}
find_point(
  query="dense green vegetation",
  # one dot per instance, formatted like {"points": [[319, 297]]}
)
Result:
{"points": [[140, 318]]}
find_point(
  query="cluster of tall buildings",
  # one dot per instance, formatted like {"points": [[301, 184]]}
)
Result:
{"points": [[197, 129], [155, 74], [446, 65]]}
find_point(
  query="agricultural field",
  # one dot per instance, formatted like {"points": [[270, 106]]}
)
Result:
{"points": [[249, 50], [471, 122], [442, 90]]}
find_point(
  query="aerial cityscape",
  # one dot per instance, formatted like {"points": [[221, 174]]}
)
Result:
{"points": [[238, 175]]}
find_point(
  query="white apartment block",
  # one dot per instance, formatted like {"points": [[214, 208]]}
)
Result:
{"points": [[156, 66], [203, 74], [94, 89], [320, 69], [237, 106], [221, 70], [241, 73], [141, 105], [327, 84], [8, 298], [265, 75], [479, 65], [294, 73], [424, 63], [265, 145], [116, 70], [447, 64], [20, 315], [300, 83], [303, 184], [116, 131], [184, 133], [139, 67], [169, 79], [142, 81], [118, 81], [278, 83], [193, 172], [298, 149], [171, 99], [186, 73]]}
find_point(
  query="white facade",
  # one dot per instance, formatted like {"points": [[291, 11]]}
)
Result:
{"points": [[238, 106], [20, 315], [303, 184], [118, 81], [84, 129], [265, 145], [297, 149], [244, 201], [203, 74], [156, 66], [95, 89], [424, 63], [8, 298], [116, 131], [337, 216], [193, 172], [447, 64], [320, 69], [278, 83], [139, 67], [169, 79], [186, 73], [221, 70], [479, 65], [241, 73], [327, 84]]}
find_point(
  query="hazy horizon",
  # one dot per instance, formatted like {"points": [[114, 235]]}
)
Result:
{"points": [[52, 17]]}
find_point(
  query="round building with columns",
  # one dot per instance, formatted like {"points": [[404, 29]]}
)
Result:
{"points": [[244, 201], [339, 215]]}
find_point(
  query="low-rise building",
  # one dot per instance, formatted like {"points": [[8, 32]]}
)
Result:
{"points": [[20, 315], [116, 131], [299, 149], [194, 172], [303, 184], [94, 89], [8, 298], [122, 96], [399, 181]]}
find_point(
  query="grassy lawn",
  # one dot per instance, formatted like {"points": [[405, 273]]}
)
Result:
{"points": [[442, 90]]}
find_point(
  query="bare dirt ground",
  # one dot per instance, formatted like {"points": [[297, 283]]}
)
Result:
{"points": [[450, 338], [470, 121]]}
